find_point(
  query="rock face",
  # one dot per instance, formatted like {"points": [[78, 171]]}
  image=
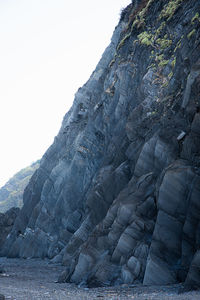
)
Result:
{"points": [[6, 223], [11, 194], [117, 195]]}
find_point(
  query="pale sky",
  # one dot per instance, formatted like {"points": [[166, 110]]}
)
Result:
{"points": [[48, 49]]}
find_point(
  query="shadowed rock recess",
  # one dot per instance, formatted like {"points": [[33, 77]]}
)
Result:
{"points": [[6, 223], [117, 195]]}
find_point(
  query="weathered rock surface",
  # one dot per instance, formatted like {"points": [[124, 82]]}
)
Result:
{"points": [[117, 195], [11, 194], [6, 223]]}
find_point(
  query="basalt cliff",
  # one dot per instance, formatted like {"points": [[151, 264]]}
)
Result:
{"points": [[117, 195]]}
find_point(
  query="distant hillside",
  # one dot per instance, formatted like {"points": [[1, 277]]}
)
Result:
{"points": [[11, 194]]}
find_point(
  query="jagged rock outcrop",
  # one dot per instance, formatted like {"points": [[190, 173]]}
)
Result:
{"points": [[11, 194], [6, 223], [117, 195]]}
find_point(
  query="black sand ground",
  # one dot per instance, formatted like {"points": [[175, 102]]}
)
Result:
{"points": [[36, 279]]}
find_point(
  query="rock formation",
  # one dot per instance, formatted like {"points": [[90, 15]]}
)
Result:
{"points": [[6, 223], [11, 194], [117, 195]]}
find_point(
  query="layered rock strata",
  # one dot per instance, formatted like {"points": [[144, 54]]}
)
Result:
{"points": [[117, 195]]}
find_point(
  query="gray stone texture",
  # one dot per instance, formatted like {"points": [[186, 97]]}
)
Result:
{"points": [[6, 223], [117, 196]]}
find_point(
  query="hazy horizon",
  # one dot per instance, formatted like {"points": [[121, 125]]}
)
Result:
{"points": [[48, 50]]}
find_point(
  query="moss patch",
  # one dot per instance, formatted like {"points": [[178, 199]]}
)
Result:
{"points": [[173, 63], [121, 43], [145, 38], [161, 61], [170, 75], [178, 45], [170, 9], [164, 43], [140, 17], [191, 33], [195, 18]]}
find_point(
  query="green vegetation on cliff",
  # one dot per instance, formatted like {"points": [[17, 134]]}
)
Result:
{"points": [[11, 194]]}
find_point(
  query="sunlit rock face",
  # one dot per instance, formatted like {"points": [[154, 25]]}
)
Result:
{"points": [[117, 195]]}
